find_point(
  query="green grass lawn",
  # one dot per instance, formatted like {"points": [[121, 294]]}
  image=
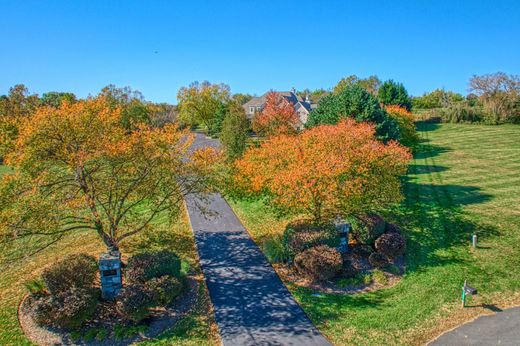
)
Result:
{"points": [[463, 179], [198, 328]]}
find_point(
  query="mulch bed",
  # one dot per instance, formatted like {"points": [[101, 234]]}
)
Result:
{"points": [[289, 274], [160, 320]]}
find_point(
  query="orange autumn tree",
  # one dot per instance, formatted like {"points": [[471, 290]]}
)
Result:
{"points": [[277, 117], [326, 171], [76, 168], [406, 122]]}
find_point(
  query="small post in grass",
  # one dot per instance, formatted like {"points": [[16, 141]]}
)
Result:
{"points": [[467, 289], [474, 241]]}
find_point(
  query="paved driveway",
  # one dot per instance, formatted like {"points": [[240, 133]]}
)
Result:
{"points": [[252, 305], [502, 328]]}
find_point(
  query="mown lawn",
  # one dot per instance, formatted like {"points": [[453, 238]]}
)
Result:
{"points": [[198, 328], [463, 179]]}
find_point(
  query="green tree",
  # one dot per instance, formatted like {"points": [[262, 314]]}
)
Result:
{"points": [[235, 129], [198, 103], [216, 124], [357, 103], [135, 110], [18, 103], [436, 99], [242, 98], [499, 94], [314, 95], [370, 84], [394, 94], [54, 98], [14, 108]]}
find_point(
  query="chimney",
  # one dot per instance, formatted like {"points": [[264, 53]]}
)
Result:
{"points": [[307, 98], [293, 90]]}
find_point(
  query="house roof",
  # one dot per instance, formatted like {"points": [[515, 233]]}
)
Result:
{"points": [[288, 95]]}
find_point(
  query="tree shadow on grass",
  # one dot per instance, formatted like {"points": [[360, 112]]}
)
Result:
{"points": [[426, 150], [426, 169], [423, 126], [435, 220]]}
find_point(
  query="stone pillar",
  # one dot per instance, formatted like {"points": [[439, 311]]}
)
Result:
{"points": [[110, 273], [343, 229]]}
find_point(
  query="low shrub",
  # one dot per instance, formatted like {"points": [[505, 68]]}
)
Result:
{"points": [[319, 263], [379, 277], [41, 309], [366, 278], [367, 228], [275, 250], [393, 269], [391, 245], [301, 235], [358, 280], [126, 332], [148, 265], [68, 309], [90, 335], [102, 334], [164, 289], [78, 270], [134, 302], [377, 260], [462, 113], [35, 287]]}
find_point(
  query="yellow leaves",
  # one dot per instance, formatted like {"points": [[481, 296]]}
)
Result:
{"points": [[72, 133], [406, 122]]}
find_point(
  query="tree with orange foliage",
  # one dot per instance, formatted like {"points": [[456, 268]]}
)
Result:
{"points": [[77, 168], [406, 122], [326, 171], [278, 117]]}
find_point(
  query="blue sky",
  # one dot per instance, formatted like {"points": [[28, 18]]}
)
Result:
{"points": [[254, 46]]}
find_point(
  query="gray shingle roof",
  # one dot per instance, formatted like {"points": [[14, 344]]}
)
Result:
{"points": [[288, 95]]}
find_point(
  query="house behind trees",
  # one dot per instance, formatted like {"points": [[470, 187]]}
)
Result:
{"points": [[302, 106]]}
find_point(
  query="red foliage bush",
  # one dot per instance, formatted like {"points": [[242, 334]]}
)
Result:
{"points": [[319, 263], [391, 245]]}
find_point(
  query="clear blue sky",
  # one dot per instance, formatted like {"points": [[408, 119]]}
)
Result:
{"points": [[254, 46]]}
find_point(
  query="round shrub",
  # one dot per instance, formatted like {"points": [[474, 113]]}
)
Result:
{"points": [[367, 228], [68, 309], [391, 245], [78, 270], [148, 265], [75, 307], [164, 289], [319, 263], [377, 260], [41, 309], [134, 302], [301, 235]]}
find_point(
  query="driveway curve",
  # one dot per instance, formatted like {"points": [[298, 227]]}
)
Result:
{"points": [[502, 328]]}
